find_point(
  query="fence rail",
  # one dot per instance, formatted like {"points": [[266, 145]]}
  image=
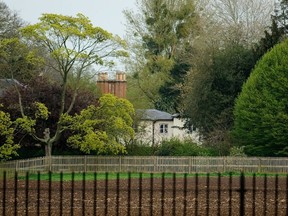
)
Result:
{"points": [[148, 164]]}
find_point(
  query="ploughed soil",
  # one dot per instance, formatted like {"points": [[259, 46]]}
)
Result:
{"points": [[197, 197]]}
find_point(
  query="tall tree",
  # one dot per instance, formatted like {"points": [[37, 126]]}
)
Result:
{"points": [[74, 44], [160, 33]]}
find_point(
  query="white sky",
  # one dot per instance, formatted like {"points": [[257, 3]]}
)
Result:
{"points": [[107, 14]]}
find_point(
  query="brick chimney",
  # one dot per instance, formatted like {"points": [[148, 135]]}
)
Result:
{"points": [[115, 86]]}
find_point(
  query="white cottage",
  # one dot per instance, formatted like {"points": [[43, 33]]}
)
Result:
{"points": [[153, 126]]}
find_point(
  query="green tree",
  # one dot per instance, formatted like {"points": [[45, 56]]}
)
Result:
{"points": [[7, 146], [18, 61], [74, 45], [103, 129], [210, 91], [159, 35], [261, 117]]}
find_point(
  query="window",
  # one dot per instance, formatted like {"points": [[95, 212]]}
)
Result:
{"points": [[163, 128]]}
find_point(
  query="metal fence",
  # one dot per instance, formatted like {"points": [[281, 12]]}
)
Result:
{"points": [[149, 194], [148, 164]]}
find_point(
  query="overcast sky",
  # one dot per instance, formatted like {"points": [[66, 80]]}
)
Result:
{"points": [[107, 14]]}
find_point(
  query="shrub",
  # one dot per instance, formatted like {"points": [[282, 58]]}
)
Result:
{"points": [[176, 147], [261, 110]]}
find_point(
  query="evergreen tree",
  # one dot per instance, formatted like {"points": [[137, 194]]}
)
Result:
{"points": [[261, 116]]}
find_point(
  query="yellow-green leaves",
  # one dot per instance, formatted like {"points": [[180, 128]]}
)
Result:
{"points": [[7, 146], [26, 124], [103, 129], [41, 111], [74, 42]]}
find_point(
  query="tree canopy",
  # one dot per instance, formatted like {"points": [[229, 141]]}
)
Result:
{"points": [[261, 117], [103, 129], [74, 45]]}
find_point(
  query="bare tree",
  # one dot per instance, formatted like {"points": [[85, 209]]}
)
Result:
{"points": [[241, 21]]}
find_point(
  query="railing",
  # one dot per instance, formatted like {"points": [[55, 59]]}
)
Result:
{"points": [[148, 164], [152, 194]]}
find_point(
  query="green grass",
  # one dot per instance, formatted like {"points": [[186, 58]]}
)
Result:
{"points": [[99, 176], [113, 176]]}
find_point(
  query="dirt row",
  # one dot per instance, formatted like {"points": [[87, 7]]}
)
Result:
{"points": [[198, 197]]}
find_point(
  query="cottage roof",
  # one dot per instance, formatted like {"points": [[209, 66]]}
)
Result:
{"points": [[154, 115]]}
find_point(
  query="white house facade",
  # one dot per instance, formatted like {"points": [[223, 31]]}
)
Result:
{"points": [[155, 125]]}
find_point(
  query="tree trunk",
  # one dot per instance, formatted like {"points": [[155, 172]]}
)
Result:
{"points": [[48, 154]]}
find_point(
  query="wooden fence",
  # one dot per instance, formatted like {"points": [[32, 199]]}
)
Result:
{"points": [[148, 164]]}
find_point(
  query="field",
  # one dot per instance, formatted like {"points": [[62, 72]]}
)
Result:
{"points": [[172, 195]]}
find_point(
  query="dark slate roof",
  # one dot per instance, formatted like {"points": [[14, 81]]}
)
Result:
{"points": [[154, 115]]}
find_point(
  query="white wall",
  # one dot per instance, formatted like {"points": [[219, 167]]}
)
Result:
{"points": [[175, 129]]}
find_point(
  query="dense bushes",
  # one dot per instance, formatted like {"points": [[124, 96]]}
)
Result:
{"points": [[172, 147]]}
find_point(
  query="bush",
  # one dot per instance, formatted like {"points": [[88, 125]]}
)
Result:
{"points": [[176, 147], [140, 149], [261, 110]]}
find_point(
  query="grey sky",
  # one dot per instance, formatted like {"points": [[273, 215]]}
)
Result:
{"points": [[107, 14]]}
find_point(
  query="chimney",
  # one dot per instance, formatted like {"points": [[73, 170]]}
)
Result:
{"points": [[115, 86]]}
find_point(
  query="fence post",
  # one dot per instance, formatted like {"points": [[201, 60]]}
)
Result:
{"points": [[190, 164], [259, 166], [224, 164], [155, 164], [17, 166], [242, 194], [85, 163], [120, 163]]}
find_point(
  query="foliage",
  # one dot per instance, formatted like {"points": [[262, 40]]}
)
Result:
{"points": [[103, 129], [74, 45], [45, 91], [140, 149], [210, 90], [176, 147], [18, 61], [261, 117], [7, 146], [159, 34], [237, 151]]}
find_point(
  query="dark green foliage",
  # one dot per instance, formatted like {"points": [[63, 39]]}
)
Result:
{"points": [[139, 149], [261, 110], [176, 147], [272, 37], [211, 94], [169, 92]]}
